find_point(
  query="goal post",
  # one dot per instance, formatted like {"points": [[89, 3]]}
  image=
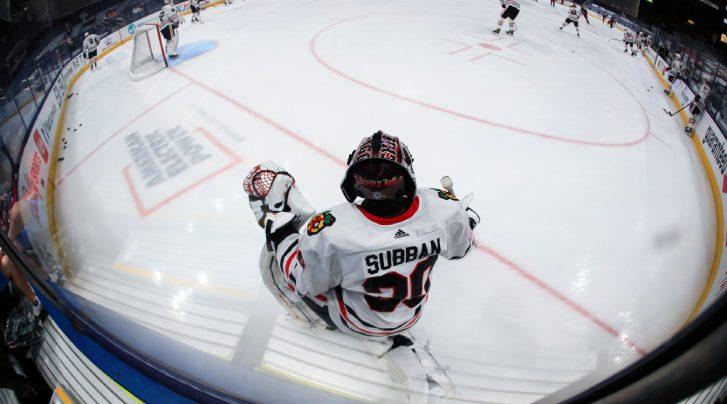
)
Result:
{"points": [[148, 55]]}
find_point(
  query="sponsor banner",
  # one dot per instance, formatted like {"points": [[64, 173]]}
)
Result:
{"points": [[108, 41], [651, 52], [33, 170], [661, 64], [34, 163], [715, 145], [152, 18]]}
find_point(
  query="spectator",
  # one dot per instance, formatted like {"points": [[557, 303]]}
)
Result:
{"points": [[7, 266], [30, 388], [663, 52]]}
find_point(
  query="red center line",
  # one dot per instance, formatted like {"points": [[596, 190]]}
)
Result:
{"points": [[486, 250], [554, 293], [464, 47], [261, 117], [97, 148]]}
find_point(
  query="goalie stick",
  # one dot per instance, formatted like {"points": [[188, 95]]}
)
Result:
{"points": [[679, 110]]}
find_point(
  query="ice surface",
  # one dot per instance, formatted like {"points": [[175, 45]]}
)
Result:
{"points": [[597, 223]]}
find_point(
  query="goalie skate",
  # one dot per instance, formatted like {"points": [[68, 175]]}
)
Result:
{"points": [[413, 369]]}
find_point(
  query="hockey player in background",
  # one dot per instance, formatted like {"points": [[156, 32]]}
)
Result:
{"points": [[169, 19], [629, 42], [363, 267], [572, 18], [584, 12], [510, 10], [552, 3], [697, 106], [196, 7], [673, 72], [90, 49], [611, 21]]}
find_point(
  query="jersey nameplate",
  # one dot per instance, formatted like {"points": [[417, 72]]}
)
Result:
{"points": [[384, 260]]}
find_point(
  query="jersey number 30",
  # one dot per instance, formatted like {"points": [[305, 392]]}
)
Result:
{"points": [[409, 290]]}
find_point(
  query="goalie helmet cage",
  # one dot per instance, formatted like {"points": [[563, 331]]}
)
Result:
{"points": [[148, 56]]}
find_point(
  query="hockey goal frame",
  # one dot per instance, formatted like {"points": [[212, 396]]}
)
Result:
{"points": [[149, 38]]}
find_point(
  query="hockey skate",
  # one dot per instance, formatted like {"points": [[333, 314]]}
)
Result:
{"points": [[496, 30], [510, 32], [411, 366]]}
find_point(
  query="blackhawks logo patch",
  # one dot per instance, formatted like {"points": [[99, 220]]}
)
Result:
{"points": [[445, 195], [320, 222]]}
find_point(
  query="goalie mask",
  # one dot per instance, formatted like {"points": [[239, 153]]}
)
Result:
{"points": [[379, 169]]}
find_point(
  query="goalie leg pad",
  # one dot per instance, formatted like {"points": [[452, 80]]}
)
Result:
{"points": [[292, 303]]}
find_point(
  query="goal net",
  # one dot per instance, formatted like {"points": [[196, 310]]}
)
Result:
{"points": [[148, 56]]}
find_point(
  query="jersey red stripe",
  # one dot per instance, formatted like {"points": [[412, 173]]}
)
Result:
{"points": [[288, 262], [344, 313]]}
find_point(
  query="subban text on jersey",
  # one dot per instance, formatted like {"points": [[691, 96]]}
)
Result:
{"points": [[386, 259]]}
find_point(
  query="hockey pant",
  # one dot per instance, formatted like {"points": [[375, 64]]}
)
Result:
{"points": [[510, 13], [569, 21]]}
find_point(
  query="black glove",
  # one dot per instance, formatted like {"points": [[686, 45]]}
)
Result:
{"points": [[474, 217]]}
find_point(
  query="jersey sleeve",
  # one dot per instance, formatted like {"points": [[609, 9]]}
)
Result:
{"points": [[454, 221], [307, 264], [459, 235]]}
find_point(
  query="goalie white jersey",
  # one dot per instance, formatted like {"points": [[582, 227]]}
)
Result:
{"points": [[372, 273]]}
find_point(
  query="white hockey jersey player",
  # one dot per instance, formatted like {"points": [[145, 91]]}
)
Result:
{"points": [[697, 106], [510, 11], [169, 20], [573, 14], [90, 49], [673, 72], [629, 42], [367, 272], [373, 272], [169, 16], [90, 43], [676, 66], [196, 7]]}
